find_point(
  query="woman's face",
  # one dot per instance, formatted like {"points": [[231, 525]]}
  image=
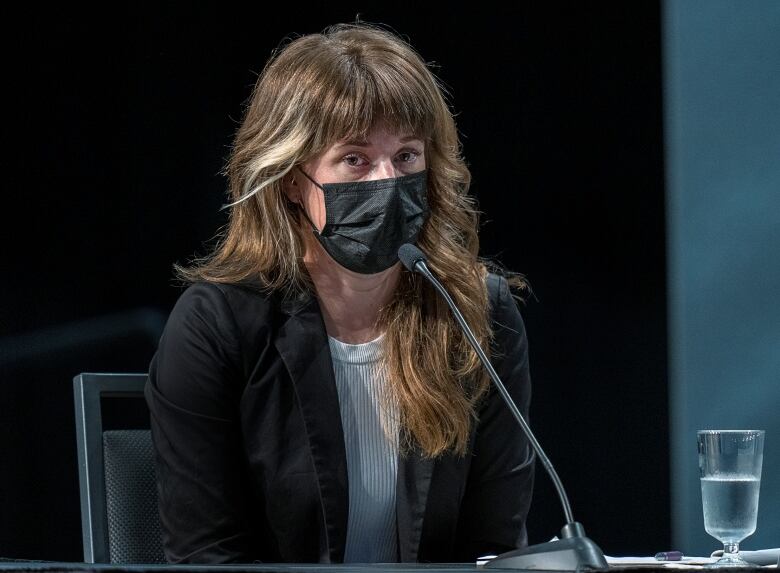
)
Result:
{"points": [[383, 155]]}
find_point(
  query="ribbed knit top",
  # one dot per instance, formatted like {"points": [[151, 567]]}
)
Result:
{"points": [[371, 441]]}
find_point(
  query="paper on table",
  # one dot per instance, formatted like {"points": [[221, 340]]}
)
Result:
{"points": [[765, 557], [617, 562], [757, 557], [684, 563]]}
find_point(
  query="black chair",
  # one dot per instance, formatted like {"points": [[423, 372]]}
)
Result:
{"points": [[120, 522]]}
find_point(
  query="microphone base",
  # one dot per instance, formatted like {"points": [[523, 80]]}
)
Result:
{"points": [[568, 554]]}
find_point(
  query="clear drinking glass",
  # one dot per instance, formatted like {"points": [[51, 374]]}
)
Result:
{"points": [[730, 472]]}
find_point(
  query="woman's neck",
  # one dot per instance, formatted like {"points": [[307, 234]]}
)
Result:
{"points": [[350, 301]]}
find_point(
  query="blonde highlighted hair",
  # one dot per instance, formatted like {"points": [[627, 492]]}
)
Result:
{"points": [[322, 88]]}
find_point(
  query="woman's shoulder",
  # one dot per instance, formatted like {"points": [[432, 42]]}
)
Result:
{"points": [[226, 311], [499, 290], [218, 323], [497, 286], [212, 332], [504, 307], [225, 297]]}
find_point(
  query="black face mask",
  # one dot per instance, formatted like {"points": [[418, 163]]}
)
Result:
{"points": [[366, 222]]}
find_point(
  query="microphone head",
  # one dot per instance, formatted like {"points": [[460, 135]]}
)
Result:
{"points": [[410, 255]]}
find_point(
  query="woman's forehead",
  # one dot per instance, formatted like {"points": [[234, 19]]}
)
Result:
{"points": [[384, 127], [363, 140]]}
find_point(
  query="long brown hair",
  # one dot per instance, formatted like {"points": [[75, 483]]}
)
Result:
{"points": [[319, 89]]}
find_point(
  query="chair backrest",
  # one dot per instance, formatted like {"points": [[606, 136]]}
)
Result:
{"points": [[120, 522]]}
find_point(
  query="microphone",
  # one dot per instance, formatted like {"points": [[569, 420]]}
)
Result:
{"points": [[574, 551]]}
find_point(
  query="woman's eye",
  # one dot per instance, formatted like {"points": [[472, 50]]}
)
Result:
{"points": [[408, 156], [353, 160]]}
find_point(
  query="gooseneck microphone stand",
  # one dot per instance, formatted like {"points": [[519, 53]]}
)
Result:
{"points": [[574, 551]]}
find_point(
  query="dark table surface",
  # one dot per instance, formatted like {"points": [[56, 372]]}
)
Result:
{"points": [[9, 565]]}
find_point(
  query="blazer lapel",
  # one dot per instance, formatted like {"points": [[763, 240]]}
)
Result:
{"points": [[303, 345], [414, 479]]}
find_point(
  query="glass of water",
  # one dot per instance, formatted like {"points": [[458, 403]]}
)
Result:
{"points": [[730, 472]]}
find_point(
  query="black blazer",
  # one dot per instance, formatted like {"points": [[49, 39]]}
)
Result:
{"points": [[251, 464]]}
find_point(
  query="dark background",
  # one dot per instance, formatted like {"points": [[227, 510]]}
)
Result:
{"points": [[116, 127]]}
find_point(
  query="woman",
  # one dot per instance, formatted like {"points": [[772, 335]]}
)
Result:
{"points": [[311, 400]]}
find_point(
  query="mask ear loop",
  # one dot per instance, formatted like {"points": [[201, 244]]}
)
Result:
{"points": [[309, 178], [300, 205]]}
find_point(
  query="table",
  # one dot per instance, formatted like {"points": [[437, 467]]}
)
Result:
{"points": [[9, 566]]}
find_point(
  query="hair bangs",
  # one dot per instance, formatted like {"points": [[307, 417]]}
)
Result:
{"points": [[363, 96]]}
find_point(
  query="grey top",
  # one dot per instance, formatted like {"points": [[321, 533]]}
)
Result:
{"points": [[371, 440]]}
